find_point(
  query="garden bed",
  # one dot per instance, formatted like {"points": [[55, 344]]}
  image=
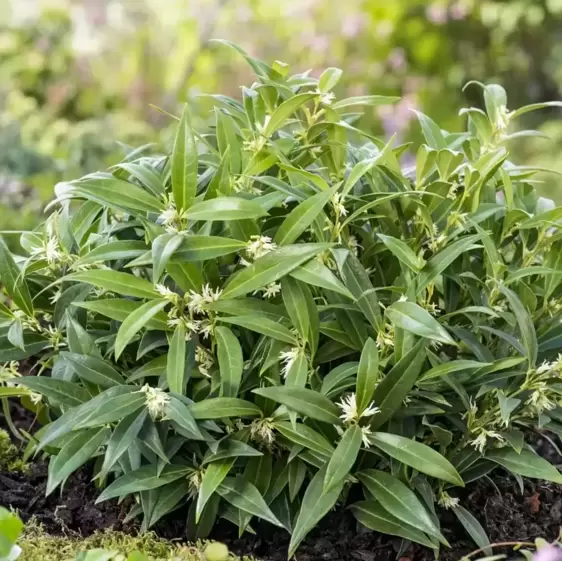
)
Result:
{"points": [[505, 513]]}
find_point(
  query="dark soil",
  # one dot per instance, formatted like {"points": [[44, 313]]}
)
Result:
{"points": [[505, 513]]}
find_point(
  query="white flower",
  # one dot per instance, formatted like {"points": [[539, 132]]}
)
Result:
{"points": [[366, 434], [258, 246], [196, 301], [479, 443], [271, 290], [261, 430], [446, 501], [168, 217], [261, 128], [166, 292], [326, 98], [452, 194], [9, 371], [353, 245], [403, 298], [205, 360], [540, 400], [350, 413], [546, 367], [55, 297], [288, 358], [35, 398], [255, 145], [156, 401], [337, 201], [205, 328]]}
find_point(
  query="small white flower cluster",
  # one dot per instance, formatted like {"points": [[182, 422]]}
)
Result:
{"points": [[167, 293], [326, 98], [385, 337], [269, 291], [9, 371], [351, 415], [452, 193], [205, 360], [337, 202], [196, 301], [480, 442], [503, 119], [456, 218], [446, 501], [156, 401], [288, 358], [171, 219], [435, 244], [258, 246], [255, 144], [261, 431]]}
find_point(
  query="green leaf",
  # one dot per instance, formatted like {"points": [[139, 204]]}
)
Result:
{"points": [[225, 208], [399, 500], [413, 318], [296, 297], [439, 262], [396, 385], [230, 448], [329, 79], [263, 325], [167, 498], [270, 268], [113, 251], [527, 464], [433, 135], [180, 413], [416, 455], [203, 248], [304, 401], [231, 361], [284, 111], [76, 452], [305, 436], [243, 495], [175, 365], [146, 175], [143, 479], [113, 409], [474, 528], [317, 274], [301, 217], [372, 100], [315, 505], [108, 191], [13, 281], [375, 517], [340, 374], [222, 407], [135, 322], [121, 440], [184, 163], [120, 309], [163, 248], [343, 458], [367, 375], [115, 281], [60, 391], [402, 252], [214, 475], [450, 367], [525, 323], [93, 369], [11, 529]]}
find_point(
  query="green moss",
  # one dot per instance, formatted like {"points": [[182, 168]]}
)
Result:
{"points": [[37, 545], [10, 458]]}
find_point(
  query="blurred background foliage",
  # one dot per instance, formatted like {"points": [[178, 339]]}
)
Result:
{"points": [[79, 79]]}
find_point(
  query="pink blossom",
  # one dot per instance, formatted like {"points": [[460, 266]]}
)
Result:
{"points": [[397, 59], [437, 14], [352, 25], [548, 553], [459, 10]]}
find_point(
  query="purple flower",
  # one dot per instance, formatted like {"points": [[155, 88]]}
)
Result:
{"points": [[548, 553]]}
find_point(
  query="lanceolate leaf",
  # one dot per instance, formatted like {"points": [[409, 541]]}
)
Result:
{"points": [[301, 217], [270, 268], [307, 402], [75, 453], [413, 318], [175, 366], [375, 517], [215, 474], [343, 458], [263, 325], [527, 464], [135, 322], [12, 279], [203, 248], [315, 505], [367, 375], [184, 164], [243, 495], [417, 455], [115, 281], [225, 208], [230, 359], [163, 248]]}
